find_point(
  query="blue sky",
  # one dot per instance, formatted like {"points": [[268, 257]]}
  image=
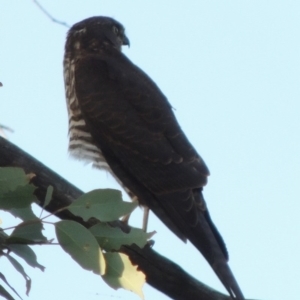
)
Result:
{"points": [[231, 69]]}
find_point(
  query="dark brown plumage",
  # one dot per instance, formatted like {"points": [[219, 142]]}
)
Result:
{"points": [[120, 120]]}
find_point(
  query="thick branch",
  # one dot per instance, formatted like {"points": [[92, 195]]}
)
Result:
{"points": [[161, 273]]}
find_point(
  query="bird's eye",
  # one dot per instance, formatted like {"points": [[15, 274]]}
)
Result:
{"points": [[115, 30]]}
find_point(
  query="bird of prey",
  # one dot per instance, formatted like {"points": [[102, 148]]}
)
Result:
{"points": [[121, 121]]}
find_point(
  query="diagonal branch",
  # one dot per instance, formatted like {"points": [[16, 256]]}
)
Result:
{"points": [[49, 15], [161, 273]]}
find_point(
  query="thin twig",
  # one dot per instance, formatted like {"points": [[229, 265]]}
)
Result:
{"points": [[49, 15], [3, 129], [6, 128], [54, 213]]}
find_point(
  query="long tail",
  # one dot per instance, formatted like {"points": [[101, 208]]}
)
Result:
{"points": [[219, 261], [227, 278], [189, 212]]}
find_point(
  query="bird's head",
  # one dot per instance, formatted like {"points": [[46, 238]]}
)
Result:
{"points": [[95, 33]]}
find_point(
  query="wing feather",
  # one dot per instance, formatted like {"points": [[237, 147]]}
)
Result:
{"points": [[125, 110]]}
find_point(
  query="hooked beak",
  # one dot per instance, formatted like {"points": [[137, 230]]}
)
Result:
{"points": [[126, 41]]}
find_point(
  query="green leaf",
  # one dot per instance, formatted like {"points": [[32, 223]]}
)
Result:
{"points": [[81, 245], [120, 273], [15, 192], [27, 232], [48, 195], [48, 198], [21, 270], [3, 237], [20, 197], [112, 238], [5, 280], [5, 294], [11, 178], [24, 214], [27, 254], [105, 205]]}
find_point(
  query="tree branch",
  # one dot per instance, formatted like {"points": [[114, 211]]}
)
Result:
{"points": [[161, 273], [49, 15]]}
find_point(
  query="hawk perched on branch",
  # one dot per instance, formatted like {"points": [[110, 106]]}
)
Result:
{"points": [[121, 121]]}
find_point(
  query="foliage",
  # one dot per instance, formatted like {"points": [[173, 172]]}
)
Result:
{"points": [[105, 205], [94, 249]]}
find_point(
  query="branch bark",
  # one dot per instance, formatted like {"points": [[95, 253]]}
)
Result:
{"points": [[161, 273]]}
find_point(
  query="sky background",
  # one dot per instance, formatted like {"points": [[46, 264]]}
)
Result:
{"points": [[231, 69]]}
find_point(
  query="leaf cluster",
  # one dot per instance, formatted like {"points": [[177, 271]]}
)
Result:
{"points": [[94, 249]]}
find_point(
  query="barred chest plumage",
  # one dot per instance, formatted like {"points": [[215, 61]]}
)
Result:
{"points": [[81, 145]]}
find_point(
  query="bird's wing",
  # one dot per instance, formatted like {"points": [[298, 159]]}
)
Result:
{"points": [[126, 110]]}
